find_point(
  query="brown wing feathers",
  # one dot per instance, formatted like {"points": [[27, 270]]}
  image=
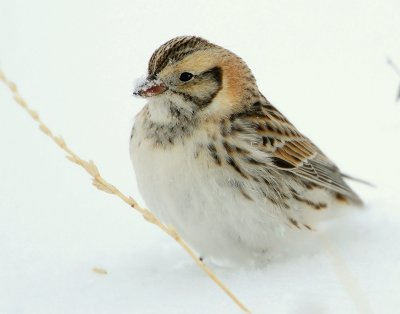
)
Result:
{"points": [[293, 152]]}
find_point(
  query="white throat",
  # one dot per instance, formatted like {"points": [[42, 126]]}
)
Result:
{"points": [[159, 110]]}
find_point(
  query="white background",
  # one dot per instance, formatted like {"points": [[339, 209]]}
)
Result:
{"points": [[322, 63]]}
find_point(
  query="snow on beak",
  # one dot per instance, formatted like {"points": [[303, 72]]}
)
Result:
{"points": [[148, 88]]}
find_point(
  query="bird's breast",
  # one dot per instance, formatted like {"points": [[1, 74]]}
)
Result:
{"points": [[188, 185]]}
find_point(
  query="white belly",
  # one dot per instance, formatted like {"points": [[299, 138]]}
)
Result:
{"points": [[193, 195]]}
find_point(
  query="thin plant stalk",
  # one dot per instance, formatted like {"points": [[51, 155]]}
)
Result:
{"points": [[103, 185]]}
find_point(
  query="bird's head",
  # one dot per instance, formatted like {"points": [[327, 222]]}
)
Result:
{"points": [[193, 74]]}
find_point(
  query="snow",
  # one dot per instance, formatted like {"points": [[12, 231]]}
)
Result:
{"points": [[139, 83], [322, 63]]}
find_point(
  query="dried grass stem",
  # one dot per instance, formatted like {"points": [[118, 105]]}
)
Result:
{"points": [[103, 185]]}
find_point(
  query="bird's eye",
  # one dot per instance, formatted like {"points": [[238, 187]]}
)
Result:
{"points": [[186, 76]]}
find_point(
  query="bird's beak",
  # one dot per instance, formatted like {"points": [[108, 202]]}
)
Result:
{"points": [[148, 88]]}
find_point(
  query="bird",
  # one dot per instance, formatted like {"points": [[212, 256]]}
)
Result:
{"points": [[215, 160]]}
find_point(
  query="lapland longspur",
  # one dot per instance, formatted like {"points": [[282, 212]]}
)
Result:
{"points": [[214, 159]]}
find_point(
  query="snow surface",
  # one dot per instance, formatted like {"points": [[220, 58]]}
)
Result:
{"points": [[322, 63]]}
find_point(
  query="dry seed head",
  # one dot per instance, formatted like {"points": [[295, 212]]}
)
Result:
{"points": [[133, 203], [90, 167], [149, 217], [20, 101], [33, 114], [45, 129], [73, 159], [13, 87], [173, 233], [103, 185], [100, 271], [60, 142]]}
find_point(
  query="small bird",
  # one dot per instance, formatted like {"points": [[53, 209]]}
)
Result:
{"points": [[216, 161]]}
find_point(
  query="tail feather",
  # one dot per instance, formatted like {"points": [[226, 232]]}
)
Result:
{"points": [[346, 176]]}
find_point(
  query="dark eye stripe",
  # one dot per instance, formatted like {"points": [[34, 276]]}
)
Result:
{"points": [[214, 74]]}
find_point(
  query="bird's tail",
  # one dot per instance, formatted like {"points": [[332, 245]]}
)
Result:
{"points": [[346, 176]]}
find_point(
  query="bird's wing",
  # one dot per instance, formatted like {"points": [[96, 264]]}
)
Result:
{"points": [[288, 149]]}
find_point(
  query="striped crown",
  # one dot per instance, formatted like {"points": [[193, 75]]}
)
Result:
{"points": [[175, 50]]}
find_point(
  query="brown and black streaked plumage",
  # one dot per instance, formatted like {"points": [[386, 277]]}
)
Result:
{"points": [[226, 162]]}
